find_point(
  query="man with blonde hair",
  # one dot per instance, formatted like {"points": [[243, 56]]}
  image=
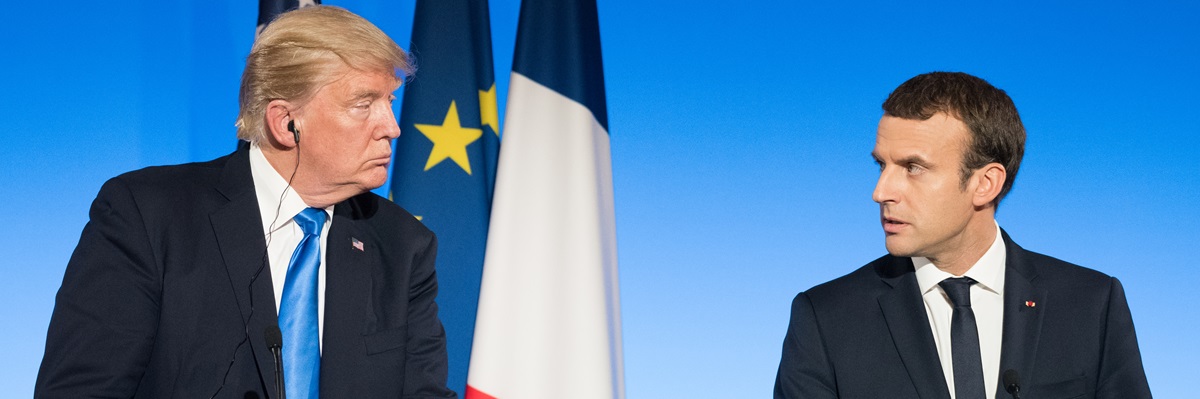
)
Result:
{"points": [[221, 278]]}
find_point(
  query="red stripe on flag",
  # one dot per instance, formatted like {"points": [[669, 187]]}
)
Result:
{"points": [[473, 393]]}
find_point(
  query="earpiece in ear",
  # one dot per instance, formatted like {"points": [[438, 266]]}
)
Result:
{"points": [[292, 128]]}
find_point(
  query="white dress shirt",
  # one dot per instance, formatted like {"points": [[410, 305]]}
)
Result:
{"points": [[987, 301], [282, 235]]}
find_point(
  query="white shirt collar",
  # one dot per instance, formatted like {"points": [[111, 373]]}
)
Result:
{"points": [[988, 271]]}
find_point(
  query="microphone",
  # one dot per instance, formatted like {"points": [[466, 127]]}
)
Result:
{"points": [[1011, 383], [275, 342]]}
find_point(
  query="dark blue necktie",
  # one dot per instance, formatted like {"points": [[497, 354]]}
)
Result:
{"points": [[298, 311], [964, 340]]}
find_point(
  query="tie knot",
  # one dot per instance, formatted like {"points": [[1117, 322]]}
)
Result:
{"points": [[958, 289], [311, 220]]}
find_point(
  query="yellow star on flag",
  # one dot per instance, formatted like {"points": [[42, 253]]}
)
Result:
{"points": [[488, 113], [450, 140]]}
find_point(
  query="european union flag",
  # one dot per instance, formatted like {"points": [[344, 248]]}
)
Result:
{"points": [[445, 159]]}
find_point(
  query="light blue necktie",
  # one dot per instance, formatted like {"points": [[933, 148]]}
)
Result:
{"points": [[298, 311]]}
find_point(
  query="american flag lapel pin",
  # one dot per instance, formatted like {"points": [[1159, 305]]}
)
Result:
{"points": [[354, 242]]}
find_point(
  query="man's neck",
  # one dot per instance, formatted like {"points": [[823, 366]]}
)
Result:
{"points": [[975, 241], [283, 160]]}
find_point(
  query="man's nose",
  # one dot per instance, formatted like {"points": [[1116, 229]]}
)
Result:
{"points": [[884, 188], [391, 128]]}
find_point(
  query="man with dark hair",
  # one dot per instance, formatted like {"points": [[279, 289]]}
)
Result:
{"points": [[957, 309]]}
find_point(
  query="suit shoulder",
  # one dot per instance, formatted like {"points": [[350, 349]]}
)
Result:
{"points": [[169, 178], [164, 187], [859, 281], [1056, 270], [165, 173], [388, 217]]}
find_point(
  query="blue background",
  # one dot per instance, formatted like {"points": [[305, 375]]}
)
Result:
{"points": [[740, 140]]}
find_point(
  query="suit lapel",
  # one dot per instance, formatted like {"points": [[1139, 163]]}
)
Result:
{"points": [[1023, 304], [244, 253], [904, 312], [351, 255]]}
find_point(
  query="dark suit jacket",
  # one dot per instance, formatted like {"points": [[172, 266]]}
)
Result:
{"points": [[160, 298], [866, 335]]}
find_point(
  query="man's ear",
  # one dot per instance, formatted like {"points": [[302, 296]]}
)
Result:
{"points": [[989, 181], [279, 114]]}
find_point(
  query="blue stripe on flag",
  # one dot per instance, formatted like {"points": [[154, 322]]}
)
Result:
{"points": [[558, 46], [269, 9]]}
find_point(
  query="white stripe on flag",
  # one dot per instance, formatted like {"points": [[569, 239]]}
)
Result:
{"points": [[548, 324]]}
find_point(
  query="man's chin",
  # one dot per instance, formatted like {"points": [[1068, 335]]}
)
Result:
{"points": [[375, 180], [897, 248], [371, 186]]}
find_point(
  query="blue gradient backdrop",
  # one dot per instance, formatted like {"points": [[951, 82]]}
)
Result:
{"points": [[740, 137]]}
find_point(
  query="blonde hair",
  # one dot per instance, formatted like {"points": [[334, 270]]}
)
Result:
{"points": [[300, 51]]}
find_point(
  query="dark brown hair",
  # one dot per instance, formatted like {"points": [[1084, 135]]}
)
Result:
{"points": [[996, 132]]}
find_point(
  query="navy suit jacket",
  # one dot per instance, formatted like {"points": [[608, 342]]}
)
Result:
{"points": [[161, 299], [866, 335]]}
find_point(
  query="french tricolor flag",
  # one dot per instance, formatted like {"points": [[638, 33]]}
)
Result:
{"points": [[548, 324]]}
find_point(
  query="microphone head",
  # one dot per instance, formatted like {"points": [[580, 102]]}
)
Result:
{"points": [[275, 337], [1011, 381]]}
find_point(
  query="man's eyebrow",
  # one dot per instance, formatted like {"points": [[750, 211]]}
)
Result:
{"points": [[917, 159], [364, 95], [912, 159]]}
